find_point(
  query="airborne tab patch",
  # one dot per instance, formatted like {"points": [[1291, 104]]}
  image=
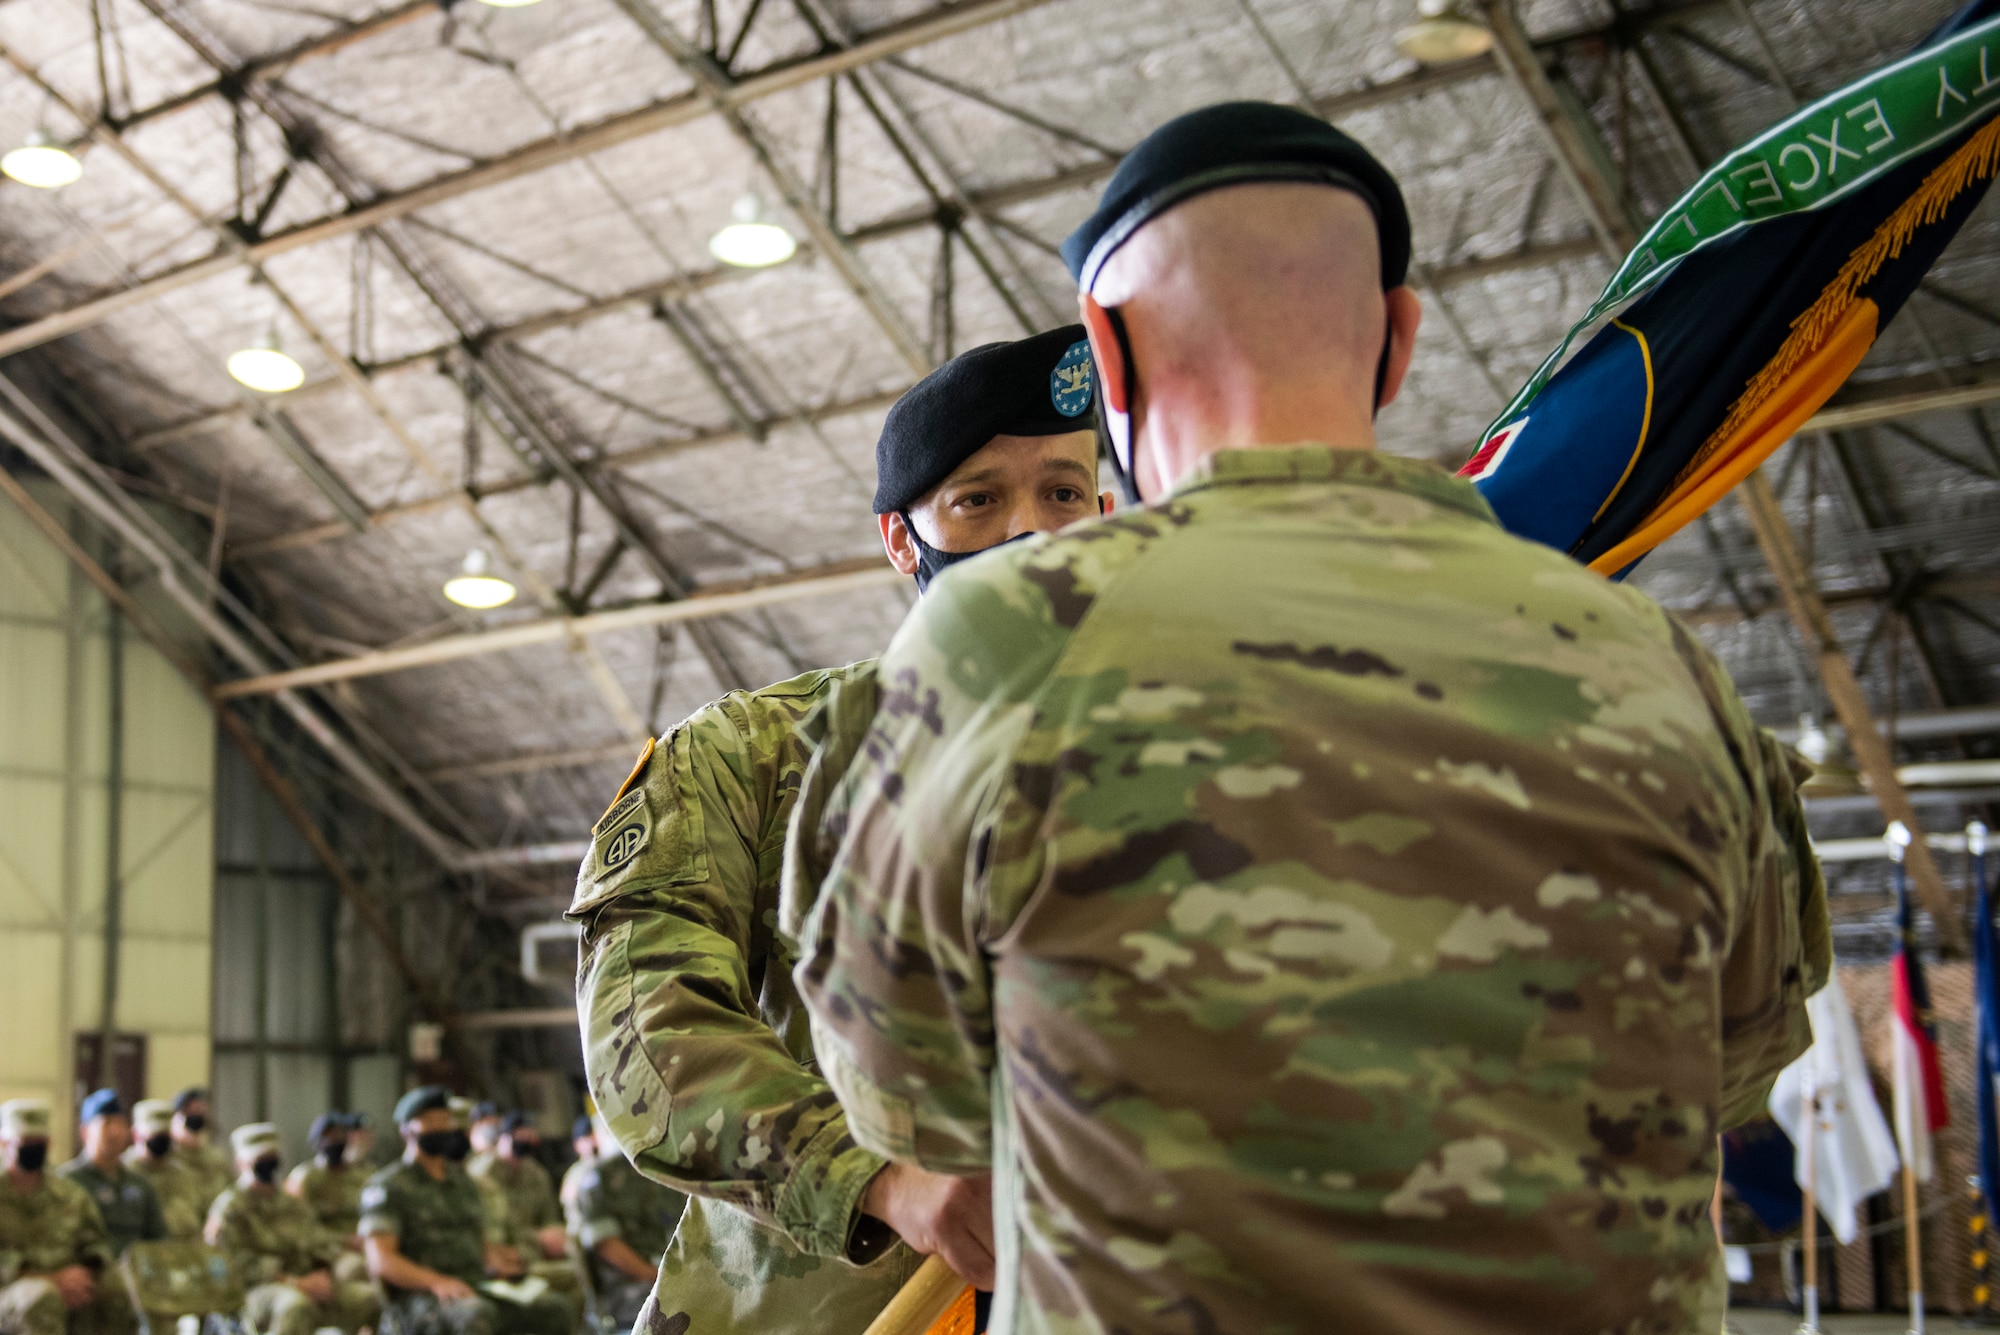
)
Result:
{"points": [[625, 830]]}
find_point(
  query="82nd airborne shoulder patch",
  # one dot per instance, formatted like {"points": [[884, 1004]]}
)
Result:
{"points": [[623, 833]]}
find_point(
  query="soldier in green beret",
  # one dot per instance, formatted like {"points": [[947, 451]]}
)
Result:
{"points": [[152, 1157], [624, 1221], [684, 986], [280, 1250], [125, 1199], [426, 1235], [55, 1260]]}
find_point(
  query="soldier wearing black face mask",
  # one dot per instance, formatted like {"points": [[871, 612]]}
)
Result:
{"points": [[52, 1240], [210, 1166], [426, 1235], [174, 1185], [280, 1250], [328, 1183]]}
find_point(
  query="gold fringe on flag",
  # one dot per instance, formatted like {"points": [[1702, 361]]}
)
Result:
{"points": [[1975, 161]]}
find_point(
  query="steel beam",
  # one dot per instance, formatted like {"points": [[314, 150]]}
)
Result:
{"points": [[1872, 755], [847, 577]]}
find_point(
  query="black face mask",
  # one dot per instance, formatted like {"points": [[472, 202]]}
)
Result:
{"points": [[460, 1146], [517, 1149], [437, 1143], [333, 1153], [159, 1146], [30, 1157], [195, 1123], [265, 1170], [931, 562]]}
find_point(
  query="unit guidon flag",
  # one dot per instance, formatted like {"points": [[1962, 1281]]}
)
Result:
{"points": [[1748, 304]]}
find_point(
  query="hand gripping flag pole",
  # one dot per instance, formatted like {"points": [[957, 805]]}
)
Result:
{"points": [[1918, 1079]]}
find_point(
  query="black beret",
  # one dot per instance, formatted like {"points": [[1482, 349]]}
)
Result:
{"points": [[582, 1127], [1236, 143], [514, 1121], [421, 1100], [103, 1103], [1039, 386], [484, 1109], [323, 1124], [359, 1121], [194, 1094]]}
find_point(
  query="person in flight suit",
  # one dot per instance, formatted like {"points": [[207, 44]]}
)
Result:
{"points": [[124, 1198]]}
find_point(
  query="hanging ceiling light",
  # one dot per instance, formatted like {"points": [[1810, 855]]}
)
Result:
{"points": [[475, 587], [1443, 36], [751, 242], [510, 4], [42, 163], [266, 367]]}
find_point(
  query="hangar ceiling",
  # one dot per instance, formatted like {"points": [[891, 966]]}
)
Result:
{"points": [[484, 233]]}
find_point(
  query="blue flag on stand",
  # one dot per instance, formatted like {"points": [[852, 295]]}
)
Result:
{"points": [[1986, 1018], [1748, 303]]}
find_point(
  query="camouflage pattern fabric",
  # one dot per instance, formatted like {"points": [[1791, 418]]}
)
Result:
{"points": [[613, 1200], [41, 1232], [1325, 911], [268, 1235], [699, 1053], [280, 1309], [174, 1188], [531, 1196], [334, 1194], [566, 1193], [437, 1222], [503, 1229], [212, 1168], [422, 1314], [124, 1199]]}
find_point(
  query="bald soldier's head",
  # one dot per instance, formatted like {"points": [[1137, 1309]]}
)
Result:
{"points": [[1234, 289]]}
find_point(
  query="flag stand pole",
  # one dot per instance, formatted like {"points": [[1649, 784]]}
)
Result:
{"points": [[1913, 1250], [1809, 1287]]}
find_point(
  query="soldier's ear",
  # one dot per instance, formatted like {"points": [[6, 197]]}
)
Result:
{"points": [[896, 542]]}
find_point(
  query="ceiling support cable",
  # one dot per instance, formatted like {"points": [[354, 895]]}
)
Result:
{"points": [[1872, 754], [1573, 140], [717, 88], [782, 76]]}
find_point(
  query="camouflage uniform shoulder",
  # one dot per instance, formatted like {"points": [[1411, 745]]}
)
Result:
{"points": [[646, 837]]}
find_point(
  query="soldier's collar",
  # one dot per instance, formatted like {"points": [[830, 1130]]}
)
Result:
{"points": [[1320, 463]]}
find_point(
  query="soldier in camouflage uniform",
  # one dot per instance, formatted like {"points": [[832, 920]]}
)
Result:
{"points": [[699, 1055], [56, 1273], [624, 1222], [281, 1253], [124, 1199], [1322, 910], [426, 1236], [152, 1158], [211, 1168], [330, 1183], [582, 1143], [534, 1216]]}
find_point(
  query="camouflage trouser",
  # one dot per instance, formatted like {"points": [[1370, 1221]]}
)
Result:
{"points": [[280, 1309], [35, 1307], [561, 1275], [351, 1268], [423, 1314]]}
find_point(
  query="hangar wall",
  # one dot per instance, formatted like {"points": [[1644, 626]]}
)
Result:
{"points": [[58, 662]]}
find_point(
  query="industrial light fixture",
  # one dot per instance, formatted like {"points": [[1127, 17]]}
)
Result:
{"points": [[751, 241], [42, 163], [510, 4], [1443, 35], [474, 587], [266, 367]]}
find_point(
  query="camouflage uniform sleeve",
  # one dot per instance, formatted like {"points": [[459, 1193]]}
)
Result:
{"points": [[595, 1220], [703, 1095], [1780, 948], [232, 1237], [931, 847], [379, 1215]]}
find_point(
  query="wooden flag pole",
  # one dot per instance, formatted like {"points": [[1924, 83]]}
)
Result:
{"points": [[1810, 1286], [928, 1296], [1913, 1248]]}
